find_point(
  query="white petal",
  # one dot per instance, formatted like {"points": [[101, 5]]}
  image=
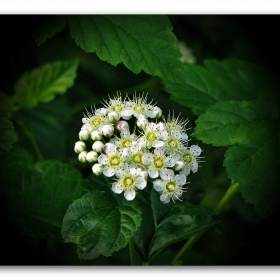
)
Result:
{"points": [[117, 188], [151, 114], [157, 144], [164, 135], [186, 171], [114, 140], [153, 173], [125, 133], [147, 158], [165, 198], [169, 161], [120, 172], [135, 171], [180, 179], [108, 171], [176, 157], [195, 150], [184, 136], [194, 166], [159, 151], [166, 174], [140, 183], [158, 185], [103, 159], [129, 194], [127, 113]]}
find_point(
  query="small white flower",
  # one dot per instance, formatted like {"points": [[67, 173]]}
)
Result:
{"points": [[96, 119], [80, 146], [97, 169], [112, 161], [190, 158], [154, 112], [129, 181], [176, 124], [153, 136], [142, 122], [160, 161], [170, 186]]}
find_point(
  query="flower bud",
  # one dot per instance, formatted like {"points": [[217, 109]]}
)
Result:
{"points": [[121, 125], [155, 112], [98, 146], [108, 130], [84, 135], [179, 165], [80, 146], [113, 117], [83, 156], [96, 135], [87, 127], [92, 156], [97, 169], [142, 122]]}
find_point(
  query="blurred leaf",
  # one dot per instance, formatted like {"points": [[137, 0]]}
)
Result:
{"points": [[141, 42], [6, 130], [250, 127], [47, 28], [98, 225], [183, 221], [44, 83], [36, 196], [230, 79]]}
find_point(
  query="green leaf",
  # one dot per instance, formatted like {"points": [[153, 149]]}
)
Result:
{"points": [[6, 130], [140, 42], [47, 28], [36, 196], [230, 79], [183, 221], [230, 122], [44, 83], [253, 161], [98, 225]]}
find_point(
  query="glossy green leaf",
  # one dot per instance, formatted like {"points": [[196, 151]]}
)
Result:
{"points": [[182, 221], [253, 161], [230, 79], [44, 83], [6, 133], [140, 42], [47, 27], [98, 225], [36, 196]]}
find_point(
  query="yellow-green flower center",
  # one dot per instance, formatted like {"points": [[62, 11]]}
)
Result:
{"points": [[115, 161], [187, 158], [128, 182], [170, 186], [151, 136], [139, 109], [158, 163], [173, 143], [125, 143], [96, 121], [117, 108], [137, 158]]}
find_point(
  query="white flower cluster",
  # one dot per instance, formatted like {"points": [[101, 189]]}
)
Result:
{"points": [[131, 140]]}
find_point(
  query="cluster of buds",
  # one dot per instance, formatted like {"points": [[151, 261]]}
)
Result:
{"points": [[131, 140]]}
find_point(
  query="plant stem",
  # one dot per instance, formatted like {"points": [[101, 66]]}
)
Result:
{"points": [[132, 252], [31, 139], [232, 190]]}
